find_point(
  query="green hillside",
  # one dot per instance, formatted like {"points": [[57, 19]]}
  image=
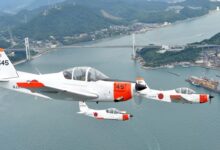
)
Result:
{"points": [[63, 21], [155, 59], [73, 17], [213, 40]]}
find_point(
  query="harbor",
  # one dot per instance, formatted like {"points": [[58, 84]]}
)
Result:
{"points": [[55, 125]]}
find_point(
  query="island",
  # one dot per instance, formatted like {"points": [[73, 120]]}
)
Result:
{"points": [[205, 53]]}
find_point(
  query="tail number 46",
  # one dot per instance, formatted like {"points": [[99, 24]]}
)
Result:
{"points": [[4, 62]]}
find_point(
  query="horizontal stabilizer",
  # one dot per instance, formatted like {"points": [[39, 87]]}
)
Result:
{"points": [[80, 112], [83, 107]]}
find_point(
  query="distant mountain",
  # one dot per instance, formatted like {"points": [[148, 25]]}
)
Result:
{"points": [[39, 3], [63, 21], [13, 6], [149, 11], [200, 3], [13, 20], [83, 16], [169, 1]]}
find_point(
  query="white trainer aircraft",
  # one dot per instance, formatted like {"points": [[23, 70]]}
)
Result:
{"points": [[86, 84], [179, 95], [106, 114], [78, 83]]}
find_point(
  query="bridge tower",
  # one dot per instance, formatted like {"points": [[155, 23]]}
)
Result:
{"points": [[27, 48], [133, 47]]}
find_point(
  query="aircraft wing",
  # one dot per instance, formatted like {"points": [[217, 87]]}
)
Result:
{"points": [[4, 80], [52, 89], [179, 98], [75, 92]]}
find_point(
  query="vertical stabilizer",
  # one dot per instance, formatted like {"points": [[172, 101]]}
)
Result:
{"points": [[83, 107], [7, 69]]}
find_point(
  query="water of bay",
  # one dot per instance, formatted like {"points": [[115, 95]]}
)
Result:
{"points": [[29, 123]]}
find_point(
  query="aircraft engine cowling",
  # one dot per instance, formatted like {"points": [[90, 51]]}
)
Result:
{"points": [[122, 91], [126, 117], [140, 84], [203, 98]]}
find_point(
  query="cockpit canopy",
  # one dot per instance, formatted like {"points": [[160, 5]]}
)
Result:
{"points": [[84, 74], [113, 111], [185, 90]]}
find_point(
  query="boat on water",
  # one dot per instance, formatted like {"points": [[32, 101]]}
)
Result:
{"points": [[204, 82]]}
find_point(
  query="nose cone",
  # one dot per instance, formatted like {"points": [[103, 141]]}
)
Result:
{"points": [[131, 116], [125, 117], [211, 97], [204, 98]]}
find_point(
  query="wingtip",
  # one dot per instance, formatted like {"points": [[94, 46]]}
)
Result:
{"points": [[2, 49]]}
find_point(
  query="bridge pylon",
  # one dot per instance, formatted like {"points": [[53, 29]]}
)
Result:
{"points": [[133, 48], [27, 48]]}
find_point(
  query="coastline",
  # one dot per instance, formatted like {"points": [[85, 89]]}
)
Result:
{"points": [[179, 64], [42, 51]]}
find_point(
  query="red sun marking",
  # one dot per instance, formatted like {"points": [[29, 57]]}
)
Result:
{"points": [[160, 96], [95, 114]]}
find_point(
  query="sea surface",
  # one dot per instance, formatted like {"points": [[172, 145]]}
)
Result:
{"points": [[30, 123]]}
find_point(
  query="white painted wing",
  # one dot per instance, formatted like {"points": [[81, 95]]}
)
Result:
{"points": [[4, 80], [80, 93], [58, 91]]}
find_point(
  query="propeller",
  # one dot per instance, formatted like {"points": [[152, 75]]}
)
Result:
{"points": [[210, 98], [139, 86], [138, 100]]}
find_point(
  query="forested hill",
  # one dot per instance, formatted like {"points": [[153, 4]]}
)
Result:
{"points": [[213, 40], [83, 16], [63, 21]]}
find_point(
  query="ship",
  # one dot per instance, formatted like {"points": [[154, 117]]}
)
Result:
{"points": [[204, 82]]}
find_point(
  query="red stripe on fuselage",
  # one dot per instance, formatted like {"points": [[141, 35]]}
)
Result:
{"points": [[175, 97], [32, 84]]}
